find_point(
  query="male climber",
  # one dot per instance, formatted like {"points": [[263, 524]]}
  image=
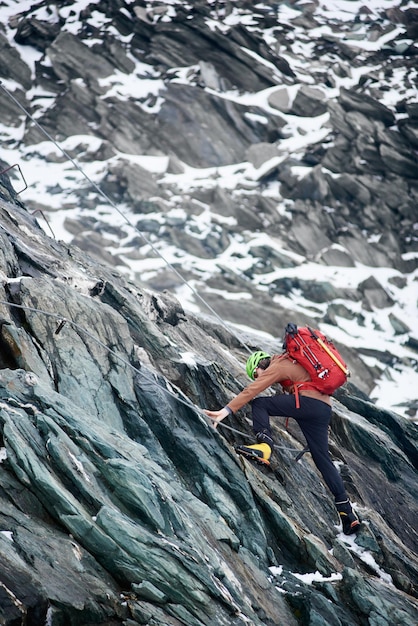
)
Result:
{"points": [[313, 417]]}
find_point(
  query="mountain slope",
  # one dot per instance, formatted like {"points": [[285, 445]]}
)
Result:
{"points": [[265, 152], [119, 504]]}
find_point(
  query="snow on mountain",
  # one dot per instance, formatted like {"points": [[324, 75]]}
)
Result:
{"points": [[296, 47]]}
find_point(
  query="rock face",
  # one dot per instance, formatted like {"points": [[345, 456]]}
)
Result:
{"points": [[119, 504]]}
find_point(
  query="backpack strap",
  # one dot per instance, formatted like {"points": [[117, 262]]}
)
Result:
{"points": [[296, 392], [291, 387]]}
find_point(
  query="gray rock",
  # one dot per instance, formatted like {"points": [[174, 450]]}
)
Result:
{"points": [[279, 99], [374, 294], [348, 188], [210, 76], [114, 479], [130, 183], [259, 153], [183, 44], [337, 256], [412, 110], [409, 130], [10, 115], [308, 102], [399, 327], [37, 33], [399, 163], [352, 101], [75, 112], [71, 58], [209, 121], [313, 187], [12, 66]]}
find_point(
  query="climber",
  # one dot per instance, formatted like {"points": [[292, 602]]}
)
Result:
{"points": [[313, 417]]}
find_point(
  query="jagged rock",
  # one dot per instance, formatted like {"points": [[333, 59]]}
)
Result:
{"points": [[352, 101], [10, 115], [12, 64], [399, 327], [191, 107], [349, 187], [37, 33], [316, 291], [210, 76], [109, 464], [166, 499], [409, 130], [74, 112], [312, 243], [412, 110], [114, 51], [309, 102], [186, 45], [352, 124], [130, 183], [398, 163], [71, 58], [374, 295], [314, 186], [375, 190]]}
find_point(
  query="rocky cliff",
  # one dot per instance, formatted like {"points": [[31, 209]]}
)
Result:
{"points": [[119, 504], [268, 151]]}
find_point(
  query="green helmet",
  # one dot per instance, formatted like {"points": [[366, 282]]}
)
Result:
{"points": [[254, 360]]}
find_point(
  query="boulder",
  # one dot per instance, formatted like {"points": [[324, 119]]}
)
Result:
{"points": [[72, 59], [12, 65], [37, 33], [374, 294], [308, 102], [279, 99], [352, 101]]}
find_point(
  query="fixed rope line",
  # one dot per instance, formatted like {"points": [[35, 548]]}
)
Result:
{"points": [[124, 217], [63, 320]]}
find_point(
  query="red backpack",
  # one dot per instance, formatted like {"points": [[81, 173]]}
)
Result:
{"points": [[324, 364]]}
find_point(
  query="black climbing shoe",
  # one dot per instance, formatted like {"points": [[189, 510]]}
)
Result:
{"points": [[349, 520], [264, 437]]}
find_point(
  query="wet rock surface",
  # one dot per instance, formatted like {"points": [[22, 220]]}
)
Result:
{"points": [[119, 504]]}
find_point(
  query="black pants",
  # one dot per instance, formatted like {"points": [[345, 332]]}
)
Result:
{"points": [[313, 417]]}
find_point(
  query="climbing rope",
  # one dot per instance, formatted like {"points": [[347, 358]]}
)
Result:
{"points": [[124, 217], [63, 320]]}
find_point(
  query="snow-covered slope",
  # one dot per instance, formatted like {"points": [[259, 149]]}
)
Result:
{"points": [[208, 206]]}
